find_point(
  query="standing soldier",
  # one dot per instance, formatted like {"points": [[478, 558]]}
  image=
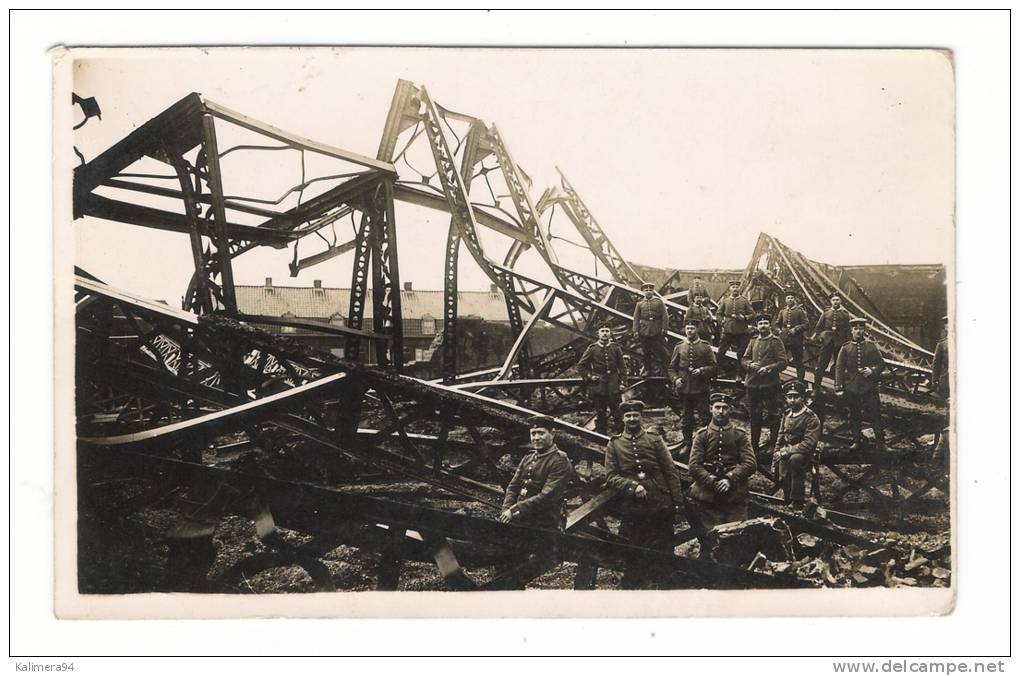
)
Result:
{"points": [[702, 314], [795, 449], [648, 488], [535, 496], [698, 288], [792, 323], [734, 313], [650, 324], [721, 464], [691, 369], [602, 368], [940, 364], [833, 331], [764, 360], [859, 367]]}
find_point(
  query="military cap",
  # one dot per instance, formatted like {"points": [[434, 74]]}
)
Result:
{"points": [[791, 291], [835, 295], [945, 320], [542, 421], [797, 386], [632, 405], [734, 282], [605, 325], [858, 321], [762, 318], [647, 285], [720, 397], [691, 322]]}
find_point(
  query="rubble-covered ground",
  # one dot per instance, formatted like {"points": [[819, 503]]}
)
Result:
{"points": [[140, 535]]}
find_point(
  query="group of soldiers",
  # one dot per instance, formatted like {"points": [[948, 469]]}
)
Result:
{"points": [[649, 496], [723, 456], [766, 345]]}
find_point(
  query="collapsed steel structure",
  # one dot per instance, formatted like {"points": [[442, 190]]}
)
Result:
{"points": [[156, 385]]}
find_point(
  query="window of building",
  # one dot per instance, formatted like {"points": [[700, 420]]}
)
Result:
{"points": [[428, 325]]}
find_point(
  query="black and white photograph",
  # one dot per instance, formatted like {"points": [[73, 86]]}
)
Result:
{"points": [[353, 322]]}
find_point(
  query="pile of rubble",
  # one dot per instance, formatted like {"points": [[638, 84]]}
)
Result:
{"points": [[767, 545]]}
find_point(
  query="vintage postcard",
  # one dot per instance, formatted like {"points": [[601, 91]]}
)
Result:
{"points": [[392, 332]]}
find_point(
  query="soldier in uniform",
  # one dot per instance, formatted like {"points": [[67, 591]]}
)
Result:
{"points": [[702, 314], [721, 464], [734, 313], [639, 467], [764, 360], [940, 364], [602, 368], [833, 331], [535, 495], [698, 288], [859, 367], [650, 324], [792, 323], [691, 369], [798, 439]]}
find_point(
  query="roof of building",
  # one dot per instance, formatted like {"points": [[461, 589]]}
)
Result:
{"points": [[324, 303]]}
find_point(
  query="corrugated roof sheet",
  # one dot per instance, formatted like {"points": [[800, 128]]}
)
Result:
{"points": [[323, 303]]}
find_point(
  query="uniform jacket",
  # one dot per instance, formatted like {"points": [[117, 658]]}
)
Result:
{"points": [[834, 327], [537, 491], [697, 290], [701, 313], [734, 313], [602, 367], [688, 356], [798, 433], [721, 453], [853, 357], [628, 457], [940, 368], [650, 317], [768, 352], [791, 324]]}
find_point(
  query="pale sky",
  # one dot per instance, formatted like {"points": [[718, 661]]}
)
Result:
{"points": [[684, 156]]}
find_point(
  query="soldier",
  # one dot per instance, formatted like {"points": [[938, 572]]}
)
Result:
{"points": [[859, 367], [734, 313], [698, 288], [536, 497], [702, 314], [833, 331], [940, 364], [792, 323], [650, 324], [797, 441], [691, 369], [648, 488], [721, 464], [536, 494], [764, 360], [602, 368]]}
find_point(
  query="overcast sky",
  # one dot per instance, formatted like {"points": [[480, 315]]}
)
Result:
{"points": [[683, 156]]}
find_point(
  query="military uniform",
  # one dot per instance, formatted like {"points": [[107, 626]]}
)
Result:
{"points": [[733, 313], [763, 389], [690, 388], [795, 451], [651, 320], [860, 392], [940, 369], [791, 323], [697, 289], [833, 329], [536, 494], [602, 368], [703, 315], [721, 453], [643, 460]]}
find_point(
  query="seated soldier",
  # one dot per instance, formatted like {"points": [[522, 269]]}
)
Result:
{"points": [[721, 464], [798, 439]]}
